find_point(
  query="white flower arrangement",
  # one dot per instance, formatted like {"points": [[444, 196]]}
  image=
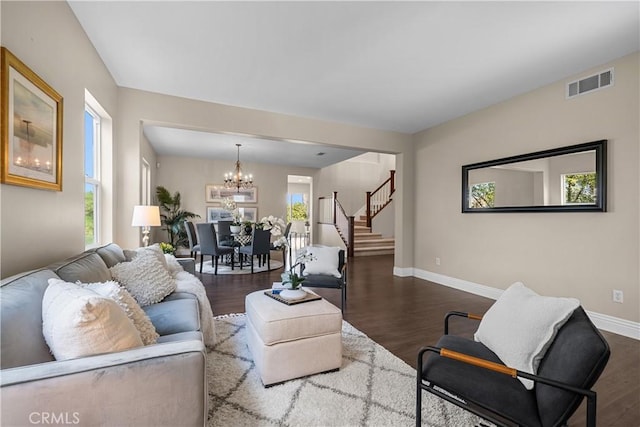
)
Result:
{"points": [[276, 226], [237, 218], [228, 204]]}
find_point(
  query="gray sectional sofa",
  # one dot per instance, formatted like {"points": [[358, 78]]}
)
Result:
{"points": [[157, 384]]}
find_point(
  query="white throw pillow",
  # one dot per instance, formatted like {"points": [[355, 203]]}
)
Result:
{"points": [[521, 325], [154, 249], [325, 261], [77, 322], [146, 279], [124, 299], [173, 266]]}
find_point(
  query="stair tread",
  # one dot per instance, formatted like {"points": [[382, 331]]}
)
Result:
{"points": [[373, 248]]}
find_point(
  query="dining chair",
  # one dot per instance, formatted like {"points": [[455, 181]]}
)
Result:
{"points": [[260, 246], [209, 246], [224, 233], [194, 247]]}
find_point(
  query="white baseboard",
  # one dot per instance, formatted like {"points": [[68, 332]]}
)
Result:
{"points": [[605, 322], [403, 272]]}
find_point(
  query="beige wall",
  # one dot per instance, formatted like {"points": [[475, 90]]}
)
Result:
{"points": [[138, 107], [190, 175], [584, 255], [353, 178], [39, 226]]}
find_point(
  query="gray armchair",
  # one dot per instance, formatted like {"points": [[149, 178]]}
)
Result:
{"points": [[468, 374], [328, 281]]}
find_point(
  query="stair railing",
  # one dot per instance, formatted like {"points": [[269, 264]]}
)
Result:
{"points": [[380, 197], [332, 212]]}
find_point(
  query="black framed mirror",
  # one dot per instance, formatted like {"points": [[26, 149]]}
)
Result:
{"points": [[566, 179]]}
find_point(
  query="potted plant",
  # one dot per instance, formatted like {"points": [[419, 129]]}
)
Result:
{"points": [[173, 217], [236, 224], [167, 248], [295, 279], [248, 227]]}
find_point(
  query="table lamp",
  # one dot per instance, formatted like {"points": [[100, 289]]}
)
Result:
{"points": [[145, 217]]}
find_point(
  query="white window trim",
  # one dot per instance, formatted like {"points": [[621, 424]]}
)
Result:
{"points": [[563, 191], [106, 214], [95, 180]]}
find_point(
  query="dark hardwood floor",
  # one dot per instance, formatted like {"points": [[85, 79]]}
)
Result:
{"points": [[403, 314]]}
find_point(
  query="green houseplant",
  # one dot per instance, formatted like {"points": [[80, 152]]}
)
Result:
{"points": [[173, 217]]}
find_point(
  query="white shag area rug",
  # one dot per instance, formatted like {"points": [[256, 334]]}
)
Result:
{"points": [[372, 388], [207, 267]]}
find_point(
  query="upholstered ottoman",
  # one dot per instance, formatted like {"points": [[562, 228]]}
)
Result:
{"points": [[292, 341]]}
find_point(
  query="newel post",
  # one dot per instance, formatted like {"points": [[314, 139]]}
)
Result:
{"points": [[350, 249], [335, 204], [393, 181], [368, 208]]}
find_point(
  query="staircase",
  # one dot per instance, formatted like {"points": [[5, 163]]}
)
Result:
{"points": [[356, 234], [366, 243]]}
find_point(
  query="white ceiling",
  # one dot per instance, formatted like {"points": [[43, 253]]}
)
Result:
{"points": [[180, 142], [403, 66]]}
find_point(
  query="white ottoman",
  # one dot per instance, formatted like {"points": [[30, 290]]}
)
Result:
{"points": [[292, 341]]}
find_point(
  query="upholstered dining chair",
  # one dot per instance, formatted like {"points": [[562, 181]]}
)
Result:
{"points": [[224, 233], [209, 246], [259, 246], [328, 269], [192, 236]]}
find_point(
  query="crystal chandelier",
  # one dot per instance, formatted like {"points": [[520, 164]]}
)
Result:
{"points": [[236, 179]]}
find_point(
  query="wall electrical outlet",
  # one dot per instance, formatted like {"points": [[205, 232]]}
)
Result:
{"points": [[618, 296], [437, 261]]}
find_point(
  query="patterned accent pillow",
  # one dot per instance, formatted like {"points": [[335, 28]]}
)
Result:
{"points": [[146, 279], [124, 299], [77, 322], [154, 249]]}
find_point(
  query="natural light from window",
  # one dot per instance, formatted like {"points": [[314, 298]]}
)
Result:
{"points": [[482, 195], [91, 177], [579, 188]]}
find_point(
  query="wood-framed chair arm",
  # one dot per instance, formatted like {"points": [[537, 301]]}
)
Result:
{"points": [[459, 314], [512, 372]]}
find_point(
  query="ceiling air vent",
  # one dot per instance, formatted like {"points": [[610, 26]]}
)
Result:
{"points": [[591, 83]]}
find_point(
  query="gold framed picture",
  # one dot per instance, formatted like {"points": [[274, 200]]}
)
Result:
{"points": [[31, 125]]}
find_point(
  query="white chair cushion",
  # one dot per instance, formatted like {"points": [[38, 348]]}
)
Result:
{"points": [[77, 322], [325, 261], [521, 325]]}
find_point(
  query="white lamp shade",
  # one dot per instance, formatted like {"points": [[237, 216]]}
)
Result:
{"points": [[146, 216]]}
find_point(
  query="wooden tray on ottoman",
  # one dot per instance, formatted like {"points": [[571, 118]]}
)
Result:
{"points": [[308, 298]]}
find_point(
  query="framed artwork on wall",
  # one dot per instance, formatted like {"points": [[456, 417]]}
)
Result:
{"points": [[249, 214], [214, 193], [31, 125], [217, 213]]}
